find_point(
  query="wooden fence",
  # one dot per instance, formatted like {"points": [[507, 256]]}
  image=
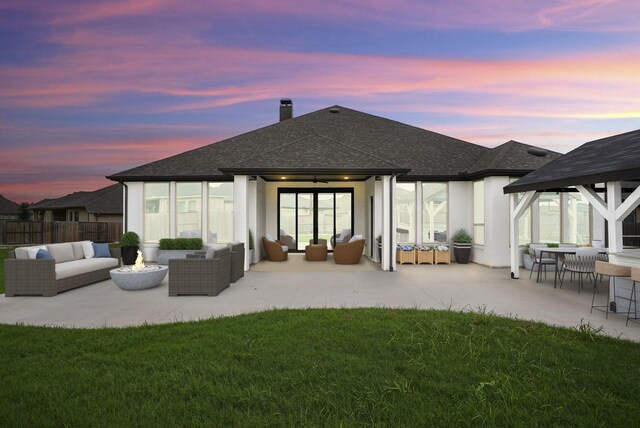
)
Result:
{"points": [[51, 232]]}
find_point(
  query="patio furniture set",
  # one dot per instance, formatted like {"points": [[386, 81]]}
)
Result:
{"points": [[423, 254], [592, 263], [345, 253], [51, 269]]}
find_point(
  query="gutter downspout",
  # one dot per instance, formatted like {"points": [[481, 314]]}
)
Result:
{"points": [[126, 206]]}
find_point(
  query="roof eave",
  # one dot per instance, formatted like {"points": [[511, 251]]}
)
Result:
{"points": [[315, 171], [123, 178], [628, 174]]}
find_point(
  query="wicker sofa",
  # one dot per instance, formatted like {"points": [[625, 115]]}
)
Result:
{"points": [[47, 277], [196, 275]]}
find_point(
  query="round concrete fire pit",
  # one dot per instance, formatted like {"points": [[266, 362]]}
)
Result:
{"points": [[148, 277]]}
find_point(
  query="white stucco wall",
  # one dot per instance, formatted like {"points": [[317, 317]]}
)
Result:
{"points": [[496, 222], [460, 209]]}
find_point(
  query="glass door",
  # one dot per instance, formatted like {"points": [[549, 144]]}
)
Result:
{"points": [[313, 216]]}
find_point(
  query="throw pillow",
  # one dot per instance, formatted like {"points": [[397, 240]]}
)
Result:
{"points": [[44, 254], [101, 250], [269, 237], [33, 251], [87, 249], [356, 238]]}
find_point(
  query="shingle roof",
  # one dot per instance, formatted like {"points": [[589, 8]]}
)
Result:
{"points": [[613, 158], [512, 156], [332, 139], [7, 206], [107, 200]]}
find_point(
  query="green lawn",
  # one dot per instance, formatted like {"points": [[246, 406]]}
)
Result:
{"points": [[320, 368]]}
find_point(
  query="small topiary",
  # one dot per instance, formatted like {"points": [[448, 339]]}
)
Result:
{"points": [[130, 239], [462, 237]]}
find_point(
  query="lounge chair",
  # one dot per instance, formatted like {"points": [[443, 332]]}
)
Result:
{"points": [[200, 276], [276, 250], [348, 253]]}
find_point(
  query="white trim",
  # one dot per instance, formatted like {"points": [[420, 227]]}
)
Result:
{"points": [[628, 205], [517, 209]]}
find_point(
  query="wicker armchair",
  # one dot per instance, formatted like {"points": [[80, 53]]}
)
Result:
{"points": [[195, 275], [274, 250], [237, 260], [348, 253]]}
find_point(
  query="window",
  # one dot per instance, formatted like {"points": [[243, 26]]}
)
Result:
{"points": [[478, 212], [73, 215], [189, 210], [156, 214], [220, 213], [406, 212], [434, 212], [578, 217], [549, 217]]}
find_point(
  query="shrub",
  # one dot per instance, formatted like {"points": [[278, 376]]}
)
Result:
{"points": [[181, 244], [130, 239], [462, 237]]}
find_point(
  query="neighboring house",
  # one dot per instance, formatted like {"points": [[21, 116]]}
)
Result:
{"points": [[103, 205], [315, 175], [9, 210]]}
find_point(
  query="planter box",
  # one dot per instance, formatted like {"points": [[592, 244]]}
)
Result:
{"points": [[403, 257], [163, 256], [424, 257], [442, 257]]}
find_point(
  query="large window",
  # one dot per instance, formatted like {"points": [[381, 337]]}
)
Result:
{"points": [[188, 210], [478, 212], [405, 213], [156, 211], [434, 212], [549, 208], [578, 219], [220, 212]]}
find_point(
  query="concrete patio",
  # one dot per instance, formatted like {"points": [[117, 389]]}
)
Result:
{"points": [[457, 287]]}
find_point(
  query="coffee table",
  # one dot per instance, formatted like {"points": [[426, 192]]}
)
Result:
{"points": [[128, 279]]}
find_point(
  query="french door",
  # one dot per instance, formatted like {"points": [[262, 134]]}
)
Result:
{"points": [[313, 215]]}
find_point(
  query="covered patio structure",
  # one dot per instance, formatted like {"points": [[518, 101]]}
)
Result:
{"points": [[605, 171]]}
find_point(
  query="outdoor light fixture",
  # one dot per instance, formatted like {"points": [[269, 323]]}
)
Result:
{"points": [[346, 178], [283, 178]]}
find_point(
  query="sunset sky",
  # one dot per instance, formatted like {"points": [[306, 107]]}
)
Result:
{"points": [[88, 89]]}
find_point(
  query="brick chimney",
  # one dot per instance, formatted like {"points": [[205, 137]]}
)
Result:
{"points": [[286, 109]]}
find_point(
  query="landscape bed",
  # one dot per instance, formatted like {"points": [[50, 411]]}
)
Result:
{"points": [[320, 367]]}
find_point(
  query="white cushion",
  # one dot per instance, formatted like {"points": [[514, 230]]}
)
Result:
{"points": [[33, 251], [285, 248], [78, 253], [344, 233], [78, 267], [356, 238], [87, 249], [269, 237], [61, 252]]}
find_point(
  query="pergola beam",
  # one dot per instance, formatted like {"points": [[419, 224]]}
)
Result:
{"points": [[517, 208]]}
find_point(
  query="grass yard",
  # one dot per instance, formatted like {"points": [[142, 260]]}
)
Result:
{"points": [[320, 367]]}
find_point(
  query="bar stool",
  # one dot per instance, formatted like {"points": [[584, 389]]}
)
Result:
{"points": [[635, 276], [612, 271]]}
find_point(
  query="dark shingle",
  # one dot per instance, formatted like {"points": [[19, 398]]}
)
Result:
{"points": [[613, 158], [510, 157], [7, 206], [107, 200]]}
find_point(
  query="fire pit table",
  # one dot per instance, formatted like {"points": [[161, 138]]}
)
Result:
{"points": [[130, 279]]}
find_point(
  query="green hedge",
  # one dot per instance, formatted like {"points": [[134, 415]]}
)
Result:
{"points": [[181, 244]]}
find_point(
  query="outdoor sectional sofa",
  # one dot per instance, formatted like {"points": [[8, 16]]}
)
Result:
{"points": [[68, 269]]}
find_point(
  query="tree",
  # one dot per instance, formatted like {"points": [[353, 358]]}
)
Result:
{"points": [[23, 213]]}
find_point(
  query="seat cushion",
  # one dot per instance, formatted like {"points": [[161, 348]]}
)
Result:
{"points": [[78, 267], [78, 252], [61, 252]]}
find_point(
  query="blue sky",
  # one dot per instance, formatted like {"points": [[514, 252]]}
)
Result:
{"points": [[95, 87]]}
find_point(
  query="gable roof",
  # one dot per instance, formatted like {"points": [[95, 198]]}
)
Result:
{"points": [[7, 206], [332, 140], [614, 158], [512, 157], [107, 200]]}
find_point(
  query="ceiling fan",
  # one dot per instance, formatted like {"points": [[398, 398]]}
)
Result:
{"points": [[315, 180]]}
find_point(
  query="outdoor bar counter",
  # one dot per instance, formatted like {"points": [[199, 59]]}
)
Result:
{"points": [[628, 257]]}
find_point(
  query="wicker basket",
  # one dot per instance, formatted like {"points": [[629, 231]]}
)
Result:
{"points": [[424, 256], [442, 257], [403, 257]]}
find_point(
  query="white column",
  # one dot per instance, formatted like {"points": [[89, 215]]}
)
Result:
{"points": [[614, 199], [205, 212], [173, 209], [388, 223], [419, 219], [516, 209], [241, 214]]}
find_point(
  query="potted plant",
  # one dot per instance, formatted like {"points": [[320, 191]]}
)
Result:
{"points": [[251, 248], [462, 246], [177, 248], [129, 246]]}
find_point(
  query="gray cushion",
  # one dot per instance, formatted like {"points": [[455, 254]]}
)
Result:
{"points": [[78, 267], [22, 253], [61, 252], [78, 252]]}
